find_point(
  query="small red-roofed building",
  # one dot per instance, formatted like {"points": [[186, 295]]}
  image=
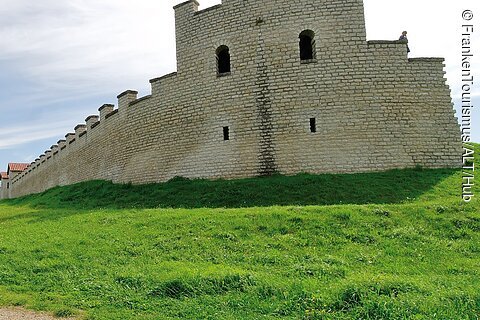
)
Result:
{"points": [[16, 168], [4, 184], [13, 170]]}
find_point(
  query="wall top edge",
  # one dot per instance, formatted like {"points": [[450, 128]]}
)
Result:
{"points": [[184, 3], [163, 77], [126, 92]]}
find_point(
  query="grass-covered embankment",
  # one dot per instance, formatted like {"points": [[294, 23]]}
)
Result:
{"points": [[395, 186], [397, 245]]}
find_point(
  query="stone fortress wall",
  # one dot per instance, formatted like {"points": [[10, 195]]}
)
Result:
{"points": [[370, 107]]}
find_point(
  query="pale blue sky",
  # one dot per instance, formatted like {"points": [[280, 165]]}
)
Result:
{"points": [[61, 60]]}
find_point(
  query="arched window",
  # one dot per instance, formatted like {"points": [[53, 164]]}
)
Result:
{"points": [[223, 60], [307, 45]]}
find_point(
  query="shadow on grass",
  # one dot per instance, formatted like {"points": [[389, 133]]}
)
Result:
{"points": [[389, 187]]}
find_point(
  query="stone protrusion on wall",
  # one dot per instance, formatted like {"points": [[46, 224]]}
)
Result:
{"points": [[439, 62], [54, 149], [386, 51], [61, 144], [184, 15], [187, 7], [43, 157], [158, 83], [69, 137], [125, 98], [48, 154], [104, 110], [79, 129], [90, 120]]}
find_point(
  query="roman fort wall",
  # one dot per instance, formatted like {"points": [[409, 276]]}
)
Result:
{"points": [[372, 108]]}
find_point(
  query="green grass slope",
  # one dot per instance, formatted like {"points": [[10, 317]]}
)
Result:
{"points": [[395, 245], [395, 186]]}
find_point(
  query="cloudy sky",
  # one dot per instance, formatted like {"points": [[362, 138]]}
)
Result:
{"points": [[61, 60]]}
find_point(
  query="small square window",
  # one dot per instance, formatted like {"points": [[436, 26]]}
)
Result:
{"points": [[313, 125], [226, 133]]}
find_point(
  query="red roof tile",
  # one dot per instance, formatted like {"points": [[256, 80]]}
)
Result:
{"points": [[17, 167], [3, 175]]}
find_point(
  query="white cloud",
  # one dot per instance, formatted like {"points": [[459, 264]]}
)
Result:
{"points": [[69, 52], [87, 44], [16, 136]]}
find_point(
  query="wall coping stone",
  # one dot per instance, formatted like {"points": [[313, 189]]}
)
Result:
{"points": [[105, 106], [111, 113], [80, 126], [422, 59], [126, 92], [386, 42], [139, 100], [208, 9], [91, 117], [186, 2], [163, 77]]}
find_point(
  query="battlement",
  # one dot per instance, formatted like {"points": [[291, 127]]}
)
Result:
{"points": [[264, 87], [190, 4]]}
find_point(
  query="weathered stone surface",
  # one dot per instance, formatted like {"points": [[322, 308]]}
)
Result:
{"points": [[374, 108]]}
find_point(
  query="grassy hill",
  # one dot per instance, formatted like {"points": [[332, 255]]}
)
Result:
{"points": [[394, 245]]}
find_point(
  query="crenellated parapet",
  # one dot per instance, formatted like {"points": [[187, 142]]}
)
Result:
{"points": [[80, 129], [91, 120], [125, 98], [70, 138], [77, 138], [105, 110], [158, 84], [54, 149], [187, 8], [62, 144], [263, 87]]}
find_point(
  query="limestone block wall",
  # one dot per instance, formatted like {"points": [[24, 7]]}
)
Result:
{"points": [[372, 107], [3, 189]]}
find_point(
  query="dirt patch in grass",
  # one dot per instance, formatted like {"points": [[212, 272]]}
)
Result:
{"points": [[22, 314]]}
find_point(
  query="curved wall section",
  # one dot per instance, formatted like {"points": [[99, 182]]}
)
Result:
{"points": [[372, 107]]}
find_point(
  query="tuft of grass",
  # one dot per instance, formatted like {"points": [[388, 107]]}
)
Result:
{"points": [[64, 313], [184, 288]]}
